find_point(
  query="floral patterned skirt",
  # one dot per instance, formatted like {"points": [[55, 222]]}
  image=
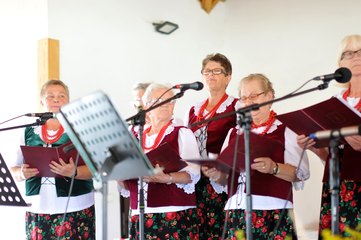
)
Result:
{"points": [[169, 225], [266, 224], [349, 206], [210, 210], [77, 225]]}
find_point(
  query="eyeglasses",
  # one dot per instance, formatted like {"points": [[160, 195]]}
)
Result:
{"points": [[159, 100], [350, 54], [251, 97], [51, 97], [215, 71]]}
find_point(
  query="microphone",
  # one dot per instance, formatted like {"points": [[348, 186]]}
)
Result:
{"points": [[195, 86], [341, 75], [44, 116], [336, 133]]}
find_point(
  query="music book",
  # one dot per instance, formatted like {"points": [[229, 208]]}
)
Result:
{"points": [[167, 158], [210, 163], [330, 114], [260, 146], [40, 157]]}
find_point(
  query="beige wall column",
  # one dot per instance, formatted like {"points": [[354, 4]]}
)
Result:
{"points": [[48, 60]]}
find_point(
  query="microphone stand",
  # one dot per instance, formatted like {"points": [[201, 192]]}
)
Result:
{"points": [[40, 121], [139, 120], [334, 180], [246, 122]]}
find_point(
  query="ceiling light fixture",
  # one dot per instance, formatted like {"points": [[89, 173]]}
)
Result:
{"points": [[165, 27]]}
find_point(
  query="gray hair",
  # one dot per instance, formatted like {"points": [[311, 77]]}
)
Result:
{"points": [[155, 86]]}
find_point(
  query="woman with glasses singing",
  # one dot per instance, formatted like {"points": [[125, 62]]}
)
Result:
{"points": [[273, 174], [349, 153], [169, 195], [217, 73]]}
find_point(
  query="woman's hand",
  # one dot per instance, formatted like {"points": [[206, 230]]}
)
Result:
{"points": [[305, 142], [62, 168], [212, 173], [355, 142], [26, 172], [263, 165], [159, 177], [308, 143]]}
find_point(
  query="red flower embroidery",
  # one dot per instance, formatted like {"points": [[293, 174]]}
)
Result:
{"points": [[169, 216], [62, 229], [149, 223], [212, 221], [86, 235], [326, 221], [259, 223], [35, 235], [175, 235]]}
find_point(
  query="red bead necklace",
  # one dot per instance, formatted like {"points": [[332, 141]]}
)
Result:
{"points": [[346, 94], [267, 124], [212, 112], [50, 139], [158, 138]]}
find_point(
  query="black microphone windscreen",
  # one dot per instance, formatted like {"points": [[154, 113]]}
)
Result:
{"points": [[200, 86], [345, 75]]}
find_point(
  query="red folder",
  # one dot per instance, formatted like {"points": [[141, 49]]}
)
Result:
{"points": [[331, 114], [167, 158], [260, 146], [210, 163], [40, 157]]}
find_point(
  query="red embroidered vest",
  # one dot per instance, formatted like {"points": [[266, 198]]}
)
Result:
{"points": [[267, 184], [161, 194]]}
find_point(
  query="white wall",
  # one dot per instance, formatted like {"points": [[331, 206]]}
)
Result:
{"points": [[22, 24], [111, 44]]}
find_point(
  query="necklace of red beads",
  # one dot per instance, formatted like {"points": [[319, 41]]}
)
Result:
{"points": [[48, 138], [212, 112], [157, 139], [267, 124], [346, 94]]}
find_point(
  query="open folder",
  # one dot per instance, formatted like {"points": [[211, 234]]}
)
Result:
{"points": [[167, 158], [331, 114], [260, 146], [40, 157]]}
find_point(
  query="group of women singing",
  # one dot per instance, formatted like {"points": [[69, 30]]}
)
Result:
{"points": [[195, 201]]}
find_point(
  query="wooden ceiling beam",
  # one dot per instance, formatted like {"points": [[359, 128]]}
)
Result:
{"points": [[208, 5]]}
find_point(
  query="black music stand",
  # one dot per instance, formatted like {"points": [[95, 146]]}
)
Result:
{"points": [[9, 192], [103, 140]]}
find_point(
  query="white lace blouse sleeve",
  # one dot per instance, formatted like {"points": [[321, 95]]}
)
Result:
{"points": [[295, 156], [218, 188], [188, 149]]}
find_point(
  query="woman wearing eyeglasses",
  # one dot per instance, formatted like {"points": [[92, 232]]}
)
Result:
{"points": [[349, 154], [272, 175], [169, 195], [216, 73]]}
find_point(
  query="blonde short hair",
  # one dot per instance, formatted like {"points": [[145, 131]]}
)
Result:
{"points": [[265, 82]]}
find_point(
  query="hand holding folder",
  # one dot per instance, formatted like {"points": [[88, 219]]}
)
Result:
{"points": [[41, 157], [331, 114], [167, 158], [260, 146]]}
